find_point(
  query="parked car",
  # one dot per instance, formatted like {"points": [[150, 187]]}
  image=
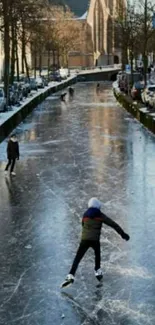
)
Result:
{"points": [[45, 80], [137, 77], [15, 94], [2, 100], [151, 101], [121, 81], [64, 73], [137, 89], [119, 74], [147, 93], [125, 80], [27, 84], [55, 76], [23, 89], [40, 82], [33, 84]]}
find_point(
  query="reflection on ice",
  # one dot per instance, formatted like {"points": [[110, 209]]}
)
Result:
{"points": [[54, 141], [98, 105], [131, 272], [52, 98], [137, 314]]}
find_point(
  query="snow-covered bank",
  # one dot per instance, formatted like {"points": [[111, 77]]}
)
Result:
{"points": [[10, 119]]}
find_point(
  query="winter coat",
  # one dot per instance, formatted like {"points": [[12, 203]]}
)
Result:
{"points": [[92, 222], [13, 149]]}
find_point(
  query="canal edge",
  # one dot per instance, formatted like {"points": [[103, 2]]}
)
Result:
{"points": [[135, 109], [15, 119]]}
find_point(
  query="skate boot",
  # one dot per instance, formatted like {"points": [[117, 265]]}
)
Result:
{"points": [[68, 281], [99, 274]]}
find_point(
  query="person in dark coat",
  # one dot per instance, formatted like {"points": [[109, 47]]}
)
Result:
{"points": [[12, 154], [63, 97], [92, 222], [71, 91]]}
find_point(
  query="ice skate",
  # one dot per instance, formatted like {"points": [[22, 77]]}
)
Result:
{"points": [[13, 173], [99, 274], [68, 281]]}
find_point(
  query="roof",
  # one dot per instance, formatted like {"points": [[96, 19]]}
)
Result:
{"points": [[84, 16], [77, 6]]}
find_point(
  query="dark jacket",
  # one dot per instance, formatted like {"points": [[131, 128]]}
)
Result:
{"points": [[92, 223], [13, 149]]}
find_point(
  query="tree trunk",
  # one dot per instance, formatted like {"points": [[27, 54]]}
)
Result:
{"points": [[58, 59], [23, 48], [124, 56], [17, 60], [40, 63], [6, 50], [13, 45], [145, 63], [35, 62], [48, 63], [26, 66], [131, 62]]}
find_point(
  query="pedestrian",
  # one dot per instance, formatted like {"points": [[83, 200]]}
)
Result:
{"points": [[12, 154], [92, 222]]}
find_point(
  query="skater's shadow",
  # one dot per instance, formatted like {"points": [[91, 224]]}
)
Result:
{"points": [[100, 285], [67, 295], [81, 310]]}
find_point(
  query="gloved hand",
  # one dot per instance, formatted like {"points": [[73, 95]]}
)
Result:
{"points": [[125, 236]]}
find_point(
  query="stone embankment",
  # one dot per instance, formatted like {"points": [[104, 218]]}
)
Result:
{"points": [[137, 109], [9, 120]]}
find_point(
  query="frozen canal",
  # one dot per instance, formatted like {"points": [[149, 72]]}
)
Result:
{"points": [[69, 153]]}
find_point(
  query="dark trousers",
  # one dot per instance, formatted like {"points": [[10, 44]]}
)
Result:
{"points": [[84, 246], [12, 163]]}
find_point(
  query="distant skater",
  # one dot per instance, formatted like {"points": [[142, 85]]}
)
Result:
{"points": [[98, 87], [63, 97], [71, 91], [92, 222], [12, 154]]}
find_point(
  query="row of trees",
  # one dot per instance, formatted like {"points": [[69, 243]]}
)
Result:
{"points": [[136, 34], [36, 25]]}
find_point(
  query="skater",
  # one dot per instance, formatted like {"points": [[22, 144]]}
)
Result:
{"points": [[62, 97], [98, 87], [12, 154], [92, 222], [71, 91]]}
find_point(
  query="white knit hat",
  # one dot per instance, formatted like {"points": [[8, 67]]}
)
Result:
{"points": [[94, 203]]}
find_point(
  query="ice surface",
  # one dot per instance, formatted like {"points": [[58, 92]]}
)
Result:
{"points": [[93, 147]]}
